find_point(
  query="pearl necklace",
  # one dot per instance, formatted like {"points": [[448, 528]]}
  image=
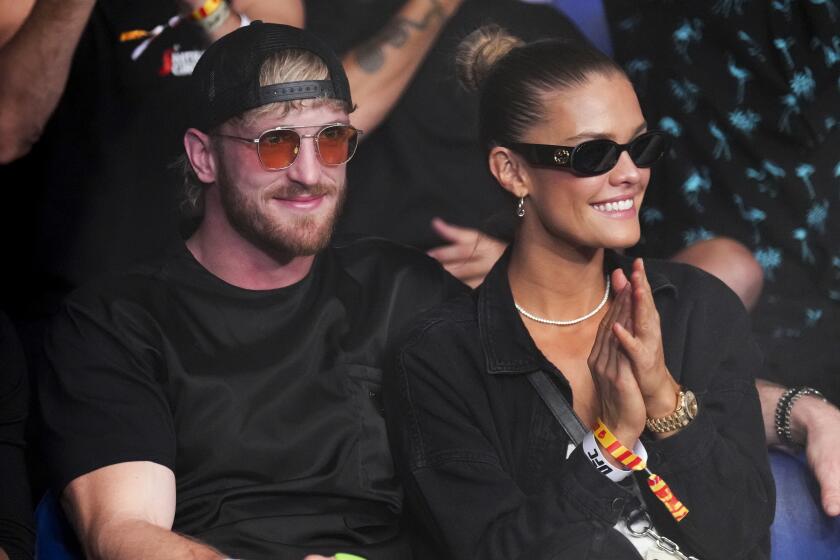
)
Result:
{"points": [[571, 321]]}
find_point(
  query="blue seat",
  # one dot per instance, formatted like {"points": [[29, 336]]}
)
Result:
{"points": [[55, 538], [801, 528], [591, 19]]}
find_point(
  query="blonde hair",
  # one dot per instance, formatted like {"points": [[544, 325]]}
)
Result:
{"points": [[289, 65]]}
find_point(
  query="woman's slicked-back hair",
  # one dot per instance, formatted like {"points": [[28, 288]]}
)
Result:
{"points": [[514, 79]]}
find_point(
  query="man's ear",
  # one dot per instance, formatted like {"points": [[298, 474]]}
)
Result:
{"points": [[509, 171], [198, 147]]}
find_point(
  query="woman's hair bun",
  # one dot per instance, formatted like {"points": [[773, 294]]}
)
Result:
{"points": [[479, 51]]}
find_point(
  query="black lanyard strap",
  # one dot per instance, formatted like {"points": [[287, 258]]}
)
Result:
{"points": [[558, 405]]}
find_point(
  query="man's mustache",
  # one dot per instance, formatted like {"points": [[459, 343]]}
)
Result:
{"points": [[296, 191]]}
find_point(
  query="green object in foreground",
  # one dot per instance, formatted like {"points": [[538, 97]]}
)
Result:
{"points": [[345, 556]]}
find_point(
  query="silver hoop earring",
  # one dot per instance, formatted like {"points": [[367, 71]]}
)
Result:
{"points": [[520, 207]]}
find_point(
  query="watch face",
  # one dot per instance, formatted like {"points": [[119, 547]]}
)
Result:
{"points": [[690, 404]]}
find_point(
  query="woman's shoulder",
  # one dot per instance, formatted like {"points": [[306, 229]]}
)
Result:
{"points": [[451, 320]]}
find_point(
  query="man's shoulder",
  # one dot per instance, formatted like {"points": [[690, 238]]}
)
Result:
{"points": [[137, 283], [402, 280], [377, 256]]}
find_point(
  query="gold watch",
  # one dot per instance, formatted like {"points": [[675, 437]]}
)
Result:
{"points": [[685, 412]]}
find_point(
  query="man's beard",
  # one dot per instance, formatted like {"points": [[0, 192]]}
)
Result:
{"points": [[300, 235]]}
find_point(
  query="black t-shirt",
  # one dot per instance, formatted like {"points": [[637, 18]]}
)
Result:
{"points": [[17, 530], [749, 93], [265, 404], [424, 159], [95, 193]]}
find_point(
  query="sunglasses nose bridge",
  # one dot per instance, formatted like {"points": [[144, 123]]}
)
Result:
{"points": [[621, 149], [299, 148], [306, 169], [625, 168], [307, 139]]}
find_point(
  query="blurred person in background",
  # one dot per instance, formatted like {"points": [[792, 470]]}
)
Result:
{"points": [[748, 92], [420, 177]]}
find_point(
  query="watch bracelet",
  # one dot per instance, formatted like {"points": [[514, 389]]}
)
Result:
{"points": [[674, 421], [784, 410], [662, 425]]}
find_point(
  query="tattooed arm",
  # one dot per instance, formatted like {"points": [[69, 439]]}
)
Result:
{"points": [[380, 69]]}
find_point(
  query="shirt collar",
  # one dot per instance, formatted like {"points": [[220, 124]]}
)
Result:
{"points": [[508, 347]]}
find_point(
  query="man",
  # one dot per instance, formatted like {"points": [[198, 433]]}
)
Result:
{"points": [[88, 125], [223, 402]]}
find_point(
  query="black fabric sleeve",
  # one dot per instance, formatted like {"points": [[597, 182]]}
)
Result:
{"points": [[101, 399], [456, 483], [17, 532], [717, 465]]}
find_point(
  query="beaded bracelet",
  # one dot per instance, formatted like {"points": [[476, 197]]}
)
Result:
{"points": [[784, 408], [632, 461]]}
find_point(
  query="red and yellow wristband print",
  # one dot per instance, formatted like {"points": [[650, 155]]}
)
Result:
{"points": [[206, 9], [633, 462]]}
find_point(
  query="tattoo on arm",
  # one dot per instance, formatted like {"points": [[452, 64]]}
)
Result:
{"points": [[371, 55]]}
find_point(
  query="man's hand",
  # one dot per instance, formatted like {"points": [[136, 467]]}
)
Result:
{"points": [[821, 422], [815, 424], [470, 254]]}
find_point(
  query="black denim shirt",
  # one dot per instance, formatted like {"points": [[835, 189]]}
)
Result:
{"points": [[484, 462]]}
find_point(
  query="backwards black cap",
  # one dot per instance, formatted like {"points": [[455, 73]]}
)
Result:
{"points": [[226, 79]]}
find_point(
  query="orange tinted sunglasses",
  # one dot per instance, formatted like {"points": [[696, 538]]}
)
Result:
{"points": [[278, 148]]}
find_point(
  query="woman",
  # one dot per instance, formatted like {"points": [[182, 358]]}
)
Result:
{"points": [[657, 355]]}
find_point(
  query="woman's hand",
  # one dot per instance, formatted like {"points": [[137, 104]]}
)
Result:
{"points": [[642, 343], [622, 406]]}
